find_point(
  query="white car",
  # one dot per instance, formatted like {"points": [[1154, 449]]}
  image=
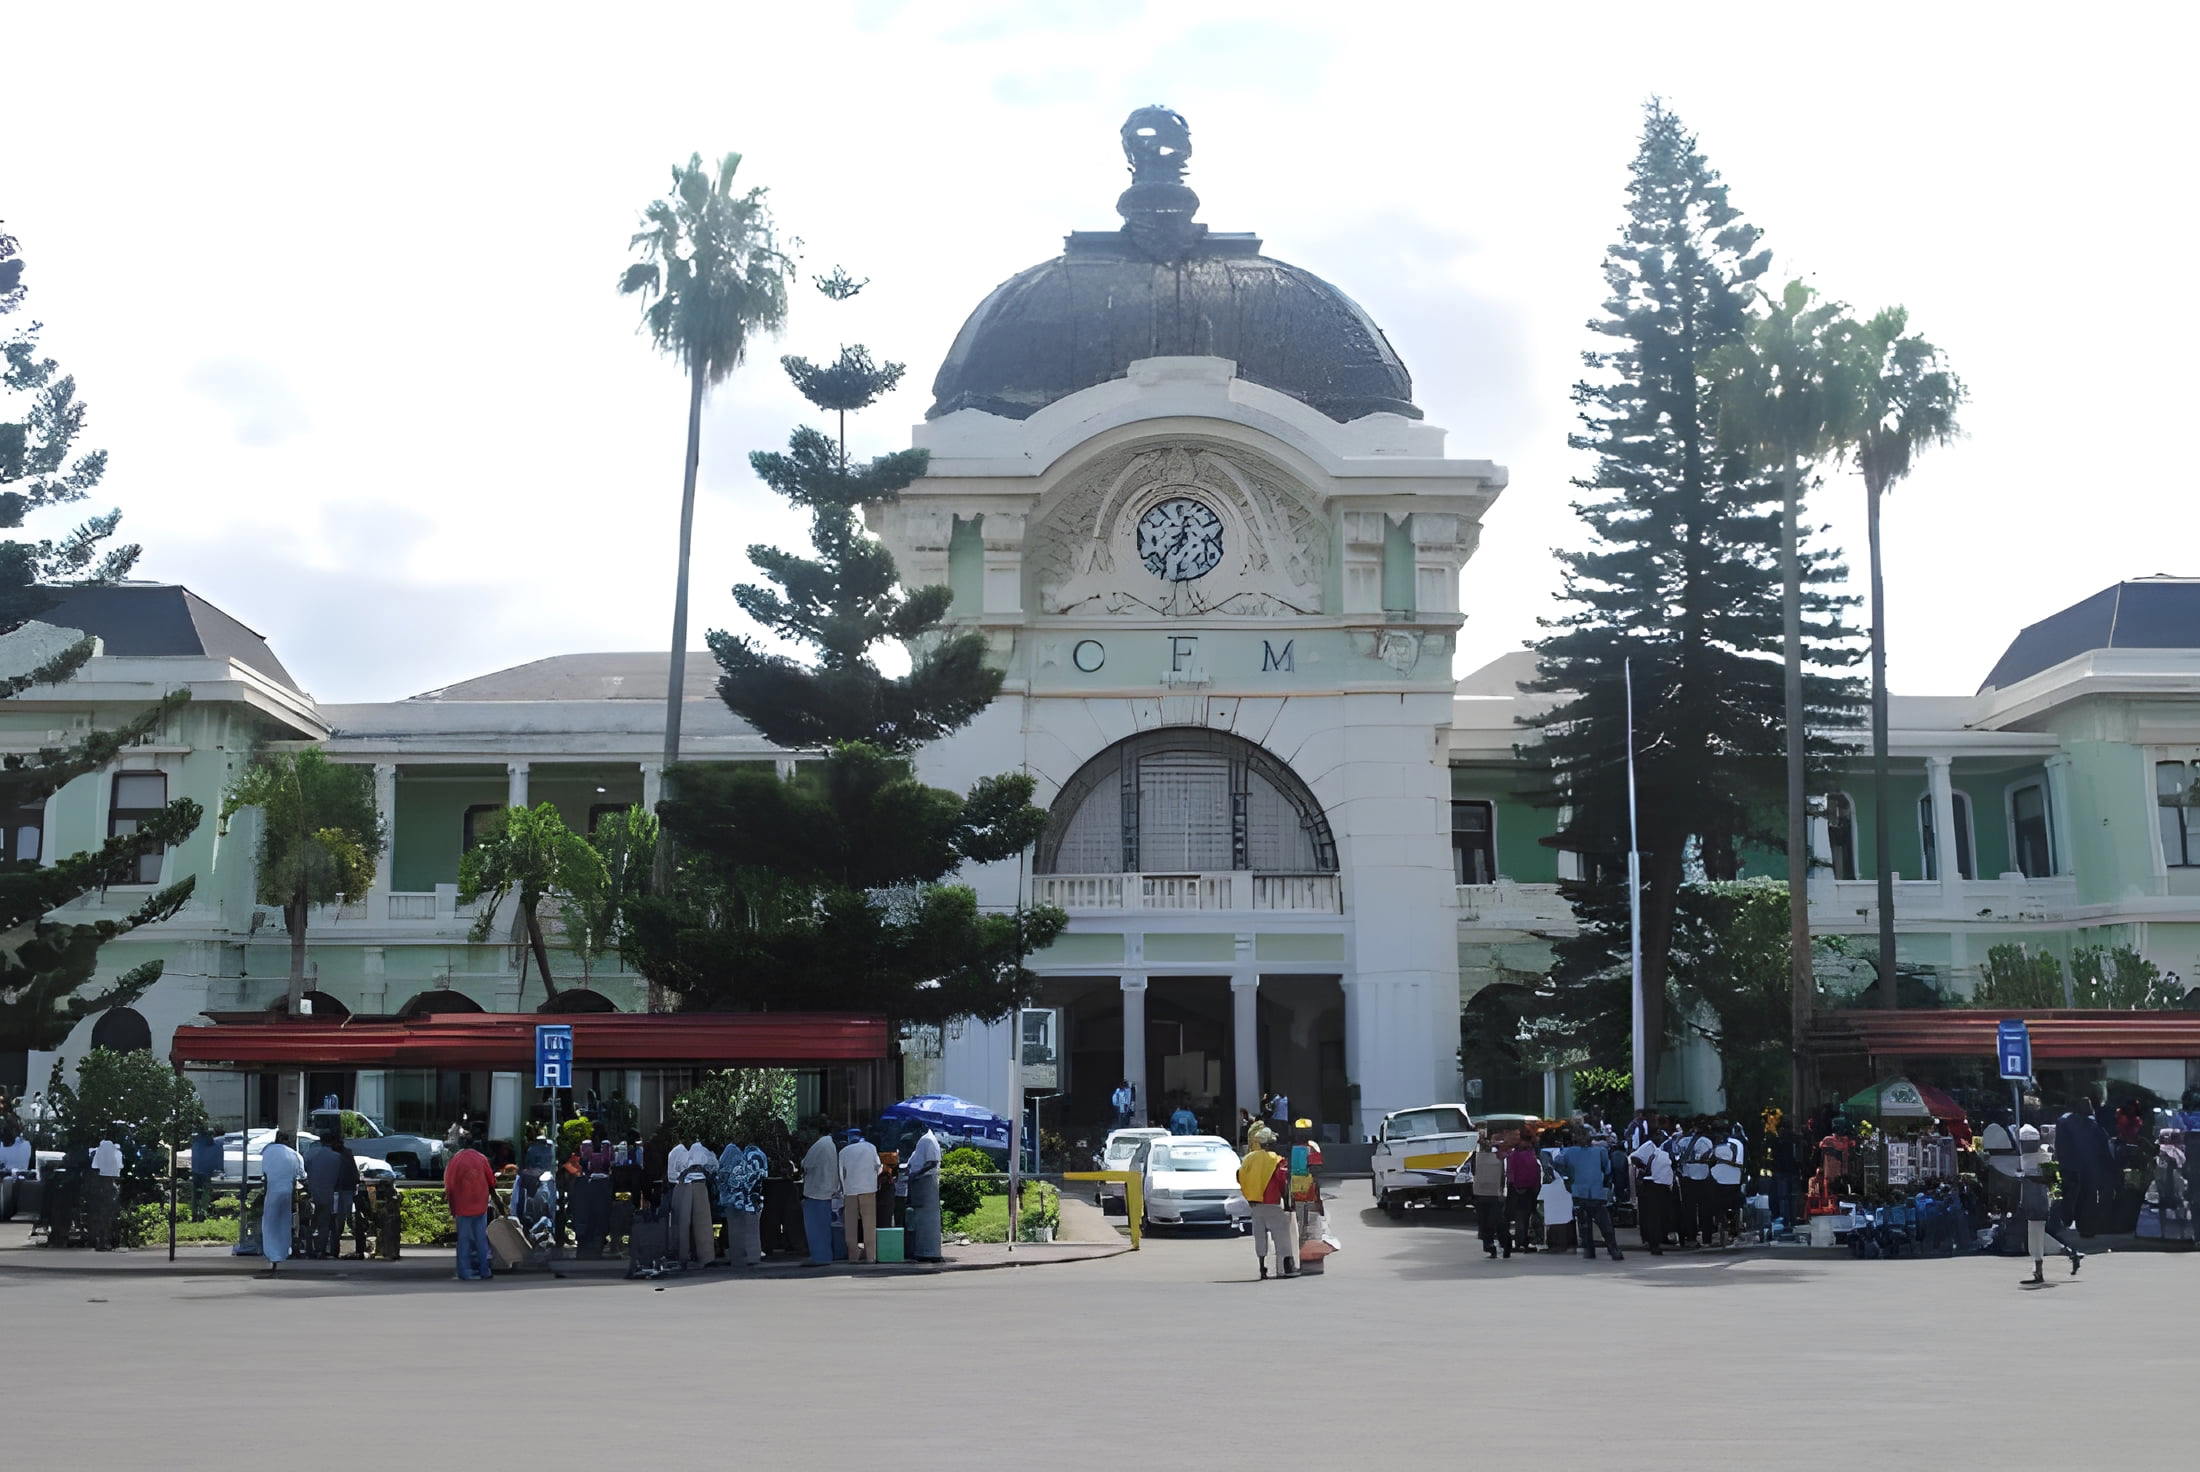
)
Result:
{"points": [[1115, 1154], [1417, 1157], [1191, 1180], [241, 1151]]}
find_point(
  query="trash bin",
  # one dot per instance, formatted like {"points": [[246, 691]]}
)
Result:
{"points": [[889, 1245]]}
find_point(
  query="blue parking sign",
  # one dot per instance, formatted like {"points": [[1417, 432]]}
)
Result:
{"points": [[2013, 1042], [554, 1055]]}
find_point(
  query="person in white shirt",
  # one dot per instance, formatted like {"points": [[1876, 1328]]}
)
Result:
{"points": [[1692, 1163], [688, 1170], [859, 1166], [820, 1188], [284, 1168], [1655, 1180], [103, 1192], [1726, 1184], [922, 1174]]}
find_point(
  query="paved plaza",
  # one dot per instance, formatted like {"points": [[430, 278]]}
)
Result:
{"points": [[1410, 1347]]}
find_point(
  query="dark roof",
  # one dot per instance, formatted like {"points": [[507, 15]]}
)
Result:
{"points": [[1085, 316], [163, 619], [587, 677], [2145, 613], [1166, 286]]}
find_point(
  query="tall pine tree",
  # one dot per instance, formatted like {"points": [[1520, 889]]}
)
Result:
{"points": [[45, 963], [1680, 574], [823, 890]]}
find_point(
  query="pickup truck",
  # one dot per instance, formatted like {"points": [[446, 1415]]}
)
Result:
{"points": [[414, 1156], [1417, 1157]]}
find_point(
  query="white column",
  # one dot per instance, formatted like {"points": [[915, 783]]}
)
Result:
{"points": [[1245, 1037], [783, 768], [515, 784], [1945, 851], [2058, 813], [1134, 1041], [653, 785], [385, 804], [503, 1106]]}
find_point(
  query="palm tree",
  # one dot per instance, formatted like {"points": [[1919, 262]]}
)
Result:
{"points": [[319, 838], [711, 274], [1786, 398], [1907, 401], [528, 852]]}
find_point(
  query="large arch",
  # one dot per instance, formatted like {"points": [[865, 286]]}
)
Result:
{"points": [[1185, 799], [578, 999], [440, 999], [123, 1030]]}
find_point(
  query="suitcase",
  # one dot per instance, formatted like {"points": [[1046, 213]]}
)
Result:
{"points": [[507, 1244], [649, 1243]]}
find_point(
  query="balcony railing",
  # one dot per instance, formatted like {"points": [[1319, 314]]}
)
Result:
{"points": [[1301, 894], [1506, 905]]}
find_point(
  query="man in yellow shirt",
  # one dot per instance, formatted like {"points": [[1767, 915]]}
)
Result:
{"points": [[1262, 1177]]}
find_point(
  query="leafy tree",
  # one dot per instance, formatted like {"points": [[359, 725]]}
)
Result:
{"points": [[824, 889], [711, 275], [531, 854], [2017, 976], [1679, 575], [735, 1104], [136, 1090], [1907, 402], [44, 963], [319, 838], [2121, 978], [598, 899]]}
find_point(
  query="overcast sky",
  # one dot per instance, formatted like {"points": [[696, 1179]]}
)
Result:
{"points": [[337, 282]]}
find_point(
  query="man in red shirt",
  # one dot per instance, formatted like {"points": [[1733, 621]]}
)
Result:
{"points": [[467, 1183]]}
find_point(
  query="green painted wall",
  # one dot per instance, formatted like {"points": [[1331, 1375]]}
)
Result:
{"points": [[1169, 946], [430, 823], [1101, 948], [1521, 856], [1299, 946]]}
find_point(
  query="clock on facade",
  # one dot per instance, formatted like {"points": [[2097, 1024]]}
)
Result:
{"points": [[1180, 539]]}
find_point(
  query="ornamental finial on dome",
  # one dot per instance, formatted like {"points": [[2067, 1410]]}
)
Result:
{"points": [[1157, 209]]}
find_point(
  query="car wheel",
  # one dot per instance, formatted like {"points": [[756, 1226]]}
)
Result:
{"points": [[1393, 1206]]}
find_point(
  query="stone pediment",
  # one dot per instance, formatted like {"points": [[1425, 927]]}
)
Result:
{"points": [[1109, 541]]}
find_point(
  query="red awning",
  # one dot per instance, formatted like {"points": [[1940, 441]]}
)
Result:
{"points": [[2056, 1033], [506, 1041]]}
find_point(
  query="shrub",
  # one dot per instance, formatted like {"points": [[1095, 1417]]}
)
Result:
{"points": [[734, 1104], [1042, 1211], [961, 1187], [967, 1157], [425, 1220]]}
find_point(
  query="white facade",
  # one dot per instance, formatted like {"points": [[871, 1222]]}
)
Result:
{"points": [[1320, 635]]}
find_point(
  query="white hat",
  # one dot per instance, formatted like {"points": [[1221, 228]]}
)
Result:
{"points": [[2028, 1135]]}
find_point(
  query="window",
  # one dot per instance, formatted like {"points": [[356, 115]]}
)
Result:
{"points": [[1473, 842], [23, 834], [479, 823], [137, 798], [1964, 865], [1185, 802], [122, 1030], [2180, 820], [1841, 834], [2035, 847]]}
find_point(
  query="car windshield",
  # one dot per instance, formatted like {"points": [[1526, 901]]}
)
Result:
{"points": [[1414, 1124], [1125, 1147], [1195, 1157]]}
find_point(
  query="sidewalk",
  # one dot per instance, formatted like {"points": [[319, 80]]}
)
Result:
{"points": [[17, 1256]]}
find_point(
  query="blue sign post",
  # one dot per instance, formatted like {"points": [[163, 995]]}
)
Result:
{"points": [[554, 1055], [2013, 1045]]}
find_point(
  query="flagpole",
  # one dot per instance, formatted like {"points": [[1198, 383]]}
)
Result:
{"points": [[1641, 1056]]}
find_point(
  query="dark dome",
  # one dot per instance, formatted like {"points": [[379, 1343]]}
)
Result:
{"points": [[1166, 286]]}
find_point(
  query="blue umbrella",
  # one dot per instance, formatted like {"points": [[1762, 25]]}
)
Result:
{"points": [[955, 1121]]}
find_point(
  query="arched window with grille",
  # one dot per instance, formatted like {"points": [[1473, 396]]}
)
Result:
{"points": [[1186, 801]]}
